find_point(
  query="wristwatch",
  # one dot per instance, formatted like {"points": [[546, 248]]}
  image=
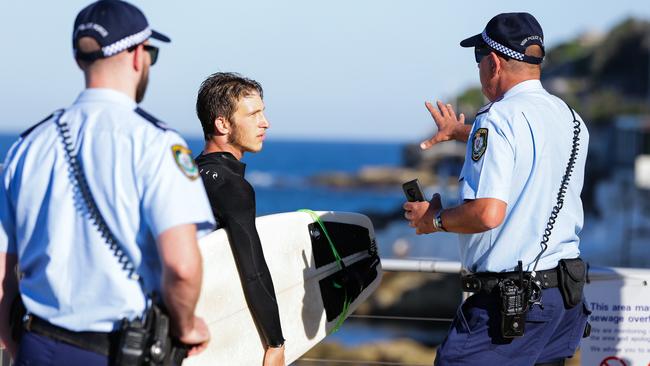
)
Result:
{"points": [[437, 221]]}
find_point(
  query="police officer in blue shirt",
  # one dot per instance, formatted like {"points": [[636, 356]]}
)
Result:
{"points": [[521, 211], [104, 151]]}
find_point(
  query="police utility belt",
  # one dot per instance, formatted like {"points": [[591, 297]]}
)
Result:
{"points": [[518, 291], [569, 276], [142, 341], [486, 282]]}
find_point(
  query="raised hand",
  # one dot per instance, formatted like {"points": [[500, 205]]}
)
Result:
{"points": [[449, 126]]}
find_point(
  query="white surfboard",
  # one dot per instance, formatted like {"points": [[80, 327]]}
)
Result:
{"points": [[307, 281]]}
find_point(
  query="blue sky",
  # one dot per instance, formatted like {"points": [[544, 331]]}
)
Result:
{"points": [[335, 70]]}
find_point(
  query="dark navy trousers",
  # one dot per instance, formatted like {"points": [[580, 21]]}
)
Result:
{"points": [[552, 333], [38, 350]]}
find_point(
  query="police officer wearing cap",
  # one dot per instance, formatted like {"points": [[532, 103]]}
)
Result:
{"points": [[520, 212], [101, 169]]}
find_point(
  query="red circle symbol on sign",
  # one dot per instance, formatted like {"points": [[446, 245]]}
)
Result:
{"points": [[612, 361]]}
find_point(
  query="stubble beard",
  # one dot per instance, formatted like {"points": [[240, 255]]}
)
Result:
{"points": [[142, 86], [237, 140]]}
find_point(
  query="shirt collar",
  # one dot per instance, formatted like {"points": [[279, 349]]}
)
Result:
{"points": [[106, 96], [524, 86], [226, 159]]}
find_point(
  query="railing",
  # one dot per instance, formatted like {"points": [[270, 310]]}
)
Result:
{"points": [[396, 265], [447, 267], [4, 358]]}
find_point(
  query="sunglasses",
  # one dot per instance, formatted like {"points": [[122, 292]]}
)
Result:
{"points": [[152, 50], [480, 52]]}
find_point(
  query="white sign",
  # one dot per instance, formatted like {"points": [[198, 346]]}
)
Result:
{"points": [[620, 321], [642, 171]]}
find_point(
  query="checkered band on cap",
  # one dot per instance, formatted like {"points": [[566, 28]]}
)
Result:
{"points": [[126, 42], [501, 48]]}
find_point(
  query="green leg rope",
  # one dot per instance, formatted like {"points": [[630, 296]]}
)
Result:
{"points": [[339, 262]]}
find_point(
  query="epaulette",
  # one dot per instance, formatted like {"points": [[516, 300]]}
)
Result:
{"points": [[29, 130], [486, 108], [154, 121]]}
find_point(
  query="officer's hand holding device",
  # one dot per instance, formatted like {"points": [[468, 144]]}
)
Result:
{"points": [[413, 191], [420, 213]]}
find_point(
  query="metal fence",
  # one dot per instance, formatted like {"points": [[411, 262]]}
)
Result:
{"points": [[435, 266]]}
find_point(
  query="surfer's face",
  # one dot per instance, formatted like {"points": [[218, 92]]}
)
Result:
{"points": [[248, 124]]}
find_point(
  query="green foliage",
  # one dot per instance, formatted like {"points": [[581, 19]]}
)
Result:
{"points": [[471, 99], [567, 52]]}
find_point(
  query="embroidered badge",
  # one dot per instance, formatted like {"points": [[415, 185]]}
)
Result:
{"points": [[183, 158], [479, 143]]}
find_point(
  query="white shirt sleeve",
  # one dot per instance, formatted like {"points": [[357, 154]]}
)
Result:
{"points": [[7, 222], [489, 160], [173, 194]]}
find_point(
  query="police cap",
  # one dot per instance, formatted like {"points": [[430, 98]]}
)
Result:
{"points": [[509, 34], [116, 25]]}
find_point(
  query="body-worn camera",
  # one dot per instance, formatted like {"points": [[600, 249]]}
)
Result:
{"points": [[148, 342], [514, 303], [515, 297], [133, 341]]}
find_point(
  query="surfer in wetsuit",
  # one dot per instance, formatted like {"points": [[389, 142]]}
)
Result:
{"points": [[231, 111]]}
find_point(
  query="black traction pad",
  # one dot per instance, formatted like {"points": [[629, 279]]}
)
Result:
{"points": [[347, 238], [347, 283]]}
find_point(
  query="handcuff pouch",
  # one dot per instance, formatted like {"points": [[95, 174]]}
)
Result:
{"points": [[572, 275]]}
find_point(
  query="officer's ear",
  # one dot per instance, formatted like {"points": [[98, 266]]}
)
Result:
{"points": [[494, 63], [138, 57], [221, 125]]}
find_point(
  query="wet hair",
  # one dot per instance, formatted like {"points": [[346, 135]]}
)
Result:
{"points": [[218, 97]]}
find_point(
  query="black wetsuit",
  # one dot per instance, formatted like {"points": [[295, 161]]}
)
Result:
{"points": [[233, 204]]}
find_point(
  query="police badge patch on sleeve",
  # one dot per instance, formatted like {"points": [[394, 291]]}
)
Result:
{"points": [[479, 143], [183, 158]]}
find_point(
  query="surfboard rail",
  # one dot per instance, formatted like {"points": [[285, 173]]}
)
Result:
{"points": [[322, 271]]}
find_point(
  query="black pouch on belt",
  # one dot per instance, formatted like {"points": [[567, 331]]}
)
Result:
{"points": [[16, 314], [571, 274]]}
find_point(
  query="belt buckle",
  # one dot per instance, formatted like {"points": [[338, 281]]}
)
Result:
{"points": [[471, 284]]}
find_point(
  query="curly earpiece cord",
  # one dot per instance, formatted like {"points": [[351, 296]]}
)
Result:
{"points": [[563, 188], [82, 190]]}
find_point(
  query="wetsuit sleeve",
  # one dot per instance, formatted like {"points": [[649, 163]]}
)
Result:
{"points": [[234, 201], [172, 191], [489, 160]]}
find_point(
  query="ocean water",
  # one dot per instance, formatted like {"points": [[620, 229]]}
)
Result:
{"points": [[280, 174]]}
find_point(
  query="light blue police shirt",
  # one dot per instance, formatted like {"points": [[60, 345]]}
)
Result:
{"points": [[518, 152], [144, 182]]}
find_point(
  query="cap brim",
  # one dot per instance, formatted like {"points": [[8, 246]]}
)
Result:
{"points": [[472, 41], [159, 36]]}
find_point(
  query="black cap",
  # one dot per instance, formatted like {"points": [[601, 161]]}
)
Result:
{"points": [[116, 25], [510, 34]]}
